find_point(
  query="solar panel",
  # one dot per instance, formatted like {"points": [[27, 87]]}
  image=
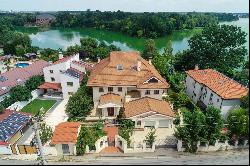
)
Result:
{"points": [[72, 73], [12, 124], [2, 78]]}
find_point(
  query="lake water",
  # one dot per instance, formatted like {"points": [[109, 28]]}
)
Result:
{"points": [[64, 37]]}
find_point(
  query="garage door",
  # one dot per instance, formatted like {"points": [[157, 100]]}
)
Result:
{"points": [[149, 124], [163, 123]]}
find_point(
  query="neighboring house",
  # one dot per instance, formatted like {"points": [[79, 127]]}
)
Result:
{"points": [[44, 19], [63, 77], [125, 80], [18, 76], [12, 127], [209, 87], [65, 137]]}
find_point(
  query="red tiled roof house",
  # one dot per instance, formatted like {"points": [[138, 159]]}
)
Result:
{"points": [[209, 87], [65, 137], [126, 81]]}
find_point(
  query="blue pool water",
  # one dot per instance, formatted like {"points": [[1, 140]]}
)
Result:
{"points": [[21, 65]]}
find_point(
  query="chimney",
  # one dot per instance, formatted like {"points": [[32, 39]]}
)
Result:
{"points": [[60, 55], [138, 64], [98, 59], [150, 60], [196, 67]]}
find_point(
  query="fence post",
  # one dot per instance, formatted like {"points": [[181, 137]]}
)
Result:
{"points": [[179, 145]]}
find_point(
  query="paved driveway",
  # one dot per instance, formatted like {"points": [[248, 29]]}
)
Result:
{"points": [[56, 115]]}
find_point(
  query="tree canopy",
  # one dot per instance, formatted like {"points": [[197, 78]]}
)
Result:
{"points": [[219, 47]]}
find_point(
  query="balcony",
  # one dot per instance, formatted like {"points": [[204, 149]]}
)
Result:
{"points": [[132, 95]]}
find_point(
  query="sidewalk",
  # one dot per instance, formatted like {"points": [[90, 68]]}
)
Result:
{"points": [[160, 153]]}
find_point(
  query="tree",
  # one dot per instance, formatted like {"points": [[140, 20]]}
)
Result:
{"points": [[192, 131], [126, 127], [20, 93], [49, 54], [163, 62], [45, 133], [238, 123], [150, 50], [150, 138], [33, 82], [219, 47], [245, 101], [214, 124], [80, 104], [1, 108]]}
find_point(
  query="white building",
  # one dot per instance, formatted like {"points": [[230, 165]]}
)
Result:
{"points": [[63, 77], [125, 77], [209, 87]]}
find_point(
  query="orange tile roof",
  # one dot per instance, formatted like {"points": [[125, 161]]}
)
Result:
{"points": [[65, 132], [147, 105], [110, 98], [223, 86], [105, 72], [48, 85]]}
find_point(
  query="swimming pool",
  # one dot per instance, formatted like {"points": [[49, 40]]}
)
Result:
{"points": [[22, 65]]}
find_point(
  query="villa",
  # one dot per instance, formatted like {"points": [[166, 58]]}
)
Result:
{"points": [[209, 87], [44, 19], [63, 77], [125, 83]]}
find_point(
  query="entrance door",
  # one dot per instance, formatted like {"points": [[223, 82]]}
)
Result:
{"points": [[111, 111]]}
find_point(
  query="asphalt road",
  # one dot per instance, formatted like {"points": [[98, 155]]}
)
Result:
{"points": [[240, 158]]}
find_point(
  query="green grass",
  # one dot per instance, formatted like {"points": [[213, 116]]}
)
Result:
{"points": [[34, 106]]}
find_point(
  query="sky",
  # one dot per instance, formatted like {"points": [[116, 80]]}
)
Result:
{"points": [[228, 6]]}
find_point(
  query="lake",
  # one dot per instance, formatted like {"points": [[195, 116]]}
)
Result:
{"points": [[63, 37]]}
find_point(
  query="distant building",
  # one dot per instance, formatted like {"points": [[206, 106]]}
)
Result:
{"points": [[44, 19], [209, 87]]}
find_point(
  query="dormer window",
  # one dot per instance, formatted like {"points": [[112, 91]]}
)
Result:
{"points": [[119, 67], [153, 80]]}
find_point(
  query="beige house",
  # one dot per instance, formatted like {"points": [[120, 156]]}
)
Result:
{"points": [[125, 80]]}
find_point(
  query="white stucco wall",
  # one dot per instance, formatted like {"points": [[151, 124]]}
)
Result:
{"points": [[224, 105], [152, 95], [155, 118], [57, 68], [72, 149], [65, 88]]}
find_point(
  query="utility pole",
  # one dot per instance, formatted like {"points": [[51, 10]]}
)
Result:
{"points": [[38, 140]]}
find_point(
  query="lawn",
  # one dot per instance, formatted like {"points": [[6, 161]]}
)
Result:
{"points": [[34, 106]]}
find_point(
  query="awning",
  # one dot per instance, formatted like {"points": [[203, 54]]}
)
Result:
{"points": [[48, 85]]}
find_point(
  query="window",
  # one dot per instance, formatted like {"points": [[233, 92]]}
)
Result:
{"points": [[119, 67], [194, 94], [101, 89], [119, 89], [70, 83], [211, 96], [110, 89], [156, 92], [65, 148], [147, 92], [52, 79], [218, 100], [153, 80], [138, 123], [51, 71]]}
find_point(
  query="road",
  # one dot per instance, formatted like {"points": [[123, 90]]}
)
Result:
{"points": [[240, 158]]}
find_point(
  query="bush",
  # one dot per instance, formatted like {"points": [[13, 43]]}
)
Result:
{"points": [[33, 82]]}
